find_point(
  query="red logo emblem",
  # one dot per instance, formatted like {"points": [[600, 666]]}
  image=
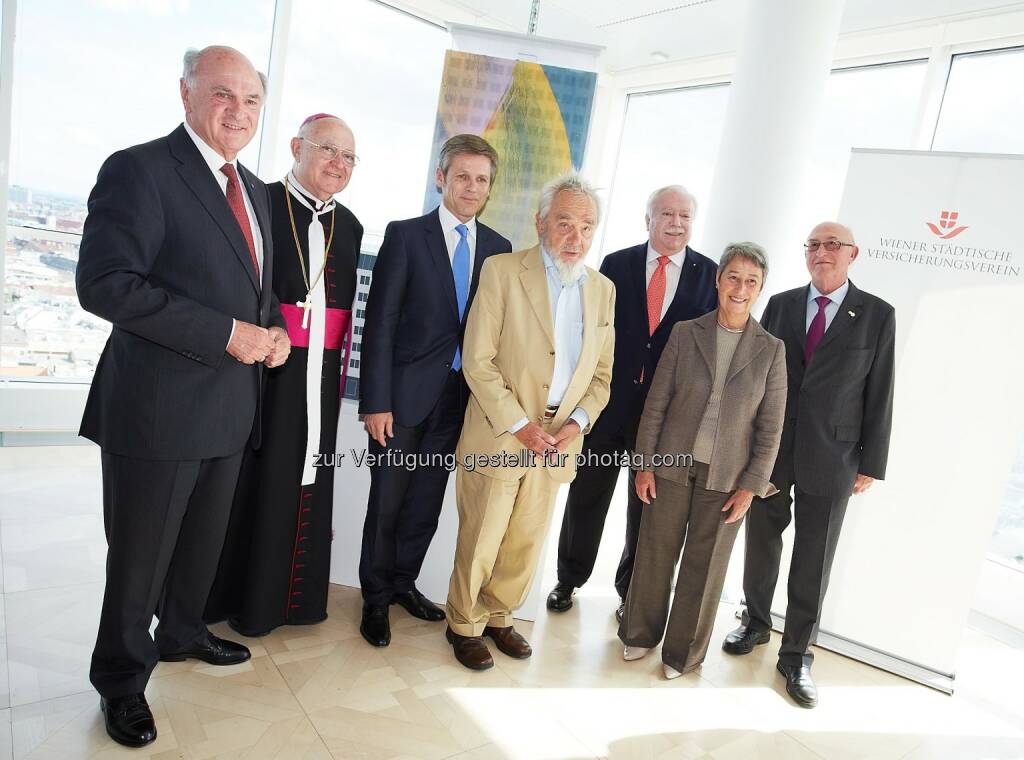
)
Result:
{"points": [[947, 225]]}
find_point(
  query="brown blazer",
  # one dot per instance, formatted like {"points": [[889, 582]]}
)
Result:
{"points": [[752, 410], [508, 358]]}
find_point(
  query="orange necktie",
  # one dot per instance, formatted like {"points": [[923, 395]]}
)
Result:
{"points": [[656, 295], [655, 299]]}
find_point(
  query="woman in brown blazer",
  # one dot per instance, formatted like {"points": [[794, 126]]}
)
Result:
{"points": [[707, 443]]}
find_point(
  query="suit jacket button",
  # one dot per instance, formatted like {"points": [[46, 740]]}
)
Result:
{"points": [[447, 365], [544, 387], [636, 382], [551, 353], [648, 345]]}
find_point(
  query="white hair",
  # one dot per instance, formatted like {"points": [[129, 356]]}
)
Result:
{"points": [[192, 58], [653, 197], [573, 183]]}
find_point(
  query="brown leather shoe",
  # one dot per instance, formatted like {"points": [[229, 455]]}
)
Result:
{"points": [[471, 651], [509, 641]]}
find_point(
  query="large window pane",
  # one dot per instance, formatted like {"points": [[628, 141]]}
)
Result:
{"points": [[383, 80], [982, 112], [867, 107], [668, 138], [115, 86], [983, 107]]}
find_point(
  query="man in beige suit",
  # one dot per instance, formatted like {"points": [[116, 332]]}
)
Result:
{"points": [[537, 356]]}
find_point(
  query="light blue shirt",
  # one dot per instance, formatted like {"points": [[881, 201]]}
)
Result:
{"points": [[567, 313], [836, 296]]}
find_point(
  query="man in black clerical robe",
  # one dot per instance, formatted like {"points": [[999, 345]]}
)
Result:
{"points": [[276, 561]]}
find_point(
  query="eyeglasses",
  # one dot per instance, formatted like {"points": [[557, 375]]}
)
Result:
{"points": [[812, 246], [349, 158]]}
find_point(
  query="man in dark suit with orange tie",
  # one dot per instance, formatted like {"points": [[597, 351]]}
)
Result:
{"points": [[412, 394], [840, 344], [657, 284], [176, 254]]}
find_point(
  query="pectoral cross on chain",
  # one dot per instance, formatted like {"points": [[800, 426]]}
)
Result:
{"points": [[305, 306]]}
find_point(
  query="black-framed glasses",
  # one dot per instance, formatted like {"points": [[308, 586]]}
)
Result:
{"points": [[812, 246], [332, 152]]}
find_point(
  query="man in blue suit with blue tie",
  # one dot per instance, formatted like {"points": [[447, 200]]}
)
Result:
{"points": [[657, 283], [412, 393]]}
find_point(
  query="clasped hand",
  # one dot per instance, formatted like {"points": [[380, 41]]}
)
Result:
{"points": [[251, 343], [540, 442]]}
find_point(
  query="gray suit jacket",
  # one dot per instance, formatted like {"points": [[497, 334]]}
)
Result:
{"points": [[752, 410], [839, 410]]}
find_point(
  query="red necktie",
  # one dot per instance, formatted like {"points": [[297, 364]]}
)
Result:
{"points": [[817, 329], [238, 209], [656, 295], [655, 299]]}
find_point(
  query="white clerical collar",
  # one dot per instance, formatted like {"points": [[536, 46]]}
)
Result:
{"points": [[449, 221], [314, 203], [676, 258], [836, 296], [212, 158]]}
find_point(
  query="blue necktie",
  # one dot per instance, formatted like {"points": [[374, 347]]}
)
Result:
{"points": [[460, 270]]}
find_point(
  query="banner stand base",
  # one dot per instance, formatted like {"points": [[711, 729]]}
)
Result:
{"points": [[876, 658]]}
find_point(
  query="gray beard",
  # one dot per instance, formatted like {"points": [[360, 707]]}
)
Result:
{"points": [[568, 273]]}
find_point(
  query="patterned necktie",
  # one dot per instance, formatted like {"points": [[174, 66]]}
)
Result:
{"points": [[237, 204], [817, 329], [460, 270], [656, 295]]}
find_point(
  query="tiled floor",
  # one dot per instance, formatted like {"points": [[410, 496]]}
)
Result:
{"points": [[321, 692]]}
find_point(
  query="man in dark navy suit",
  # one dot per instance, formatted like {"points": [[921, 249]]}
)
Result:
{"points": [[840, 358], [412, 393], [657, 283], [176, 253]]}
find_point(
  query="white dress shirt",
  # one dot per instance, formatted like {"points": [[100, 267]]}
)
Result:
{"points": [[831, 309], [673, 272], [567, 313], [451, 235], [215, 161]]}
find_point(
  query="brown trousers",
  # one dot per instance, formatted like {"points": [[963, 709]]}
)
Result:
{"points": [[502, 525], [683, 512]]}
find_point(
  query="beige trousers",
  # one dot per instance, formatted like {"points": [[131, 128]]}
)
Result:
{"points": [[502, 525]]}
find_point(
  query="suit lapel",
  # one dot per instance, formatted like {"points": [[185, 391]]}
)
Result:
{"points": [[638, 273], [439, 254], [750, 345], [849, 311], [197, 176], [796, 319], [534, 281], [675, 308], [263, 220], [483, 247], [705, 339]]}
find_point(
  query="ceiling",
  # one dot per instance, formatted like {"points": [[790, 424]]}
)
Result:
{"points": [[634, 33]]}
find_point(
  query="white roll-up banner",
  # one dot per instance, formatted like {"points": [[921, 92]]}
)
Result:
{"points": [[940, 239]]}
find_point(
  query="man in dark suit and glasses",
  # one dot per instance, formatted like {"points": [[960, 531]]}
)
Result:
{"points": [[657, 283], [176, 254], [412, 393], [840, 345]]}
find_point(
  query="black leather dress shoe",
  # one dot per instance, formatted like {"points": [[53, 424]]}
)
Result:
{"points": [[129, 720], [376, 628], [799, 684], [620, 612], [211, 649], [560, 598], [418, 605], [744, 639]]}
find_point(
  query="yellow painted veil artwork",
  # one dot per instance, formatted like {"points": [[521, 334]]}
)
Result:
{"points": [[535, 116]]}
